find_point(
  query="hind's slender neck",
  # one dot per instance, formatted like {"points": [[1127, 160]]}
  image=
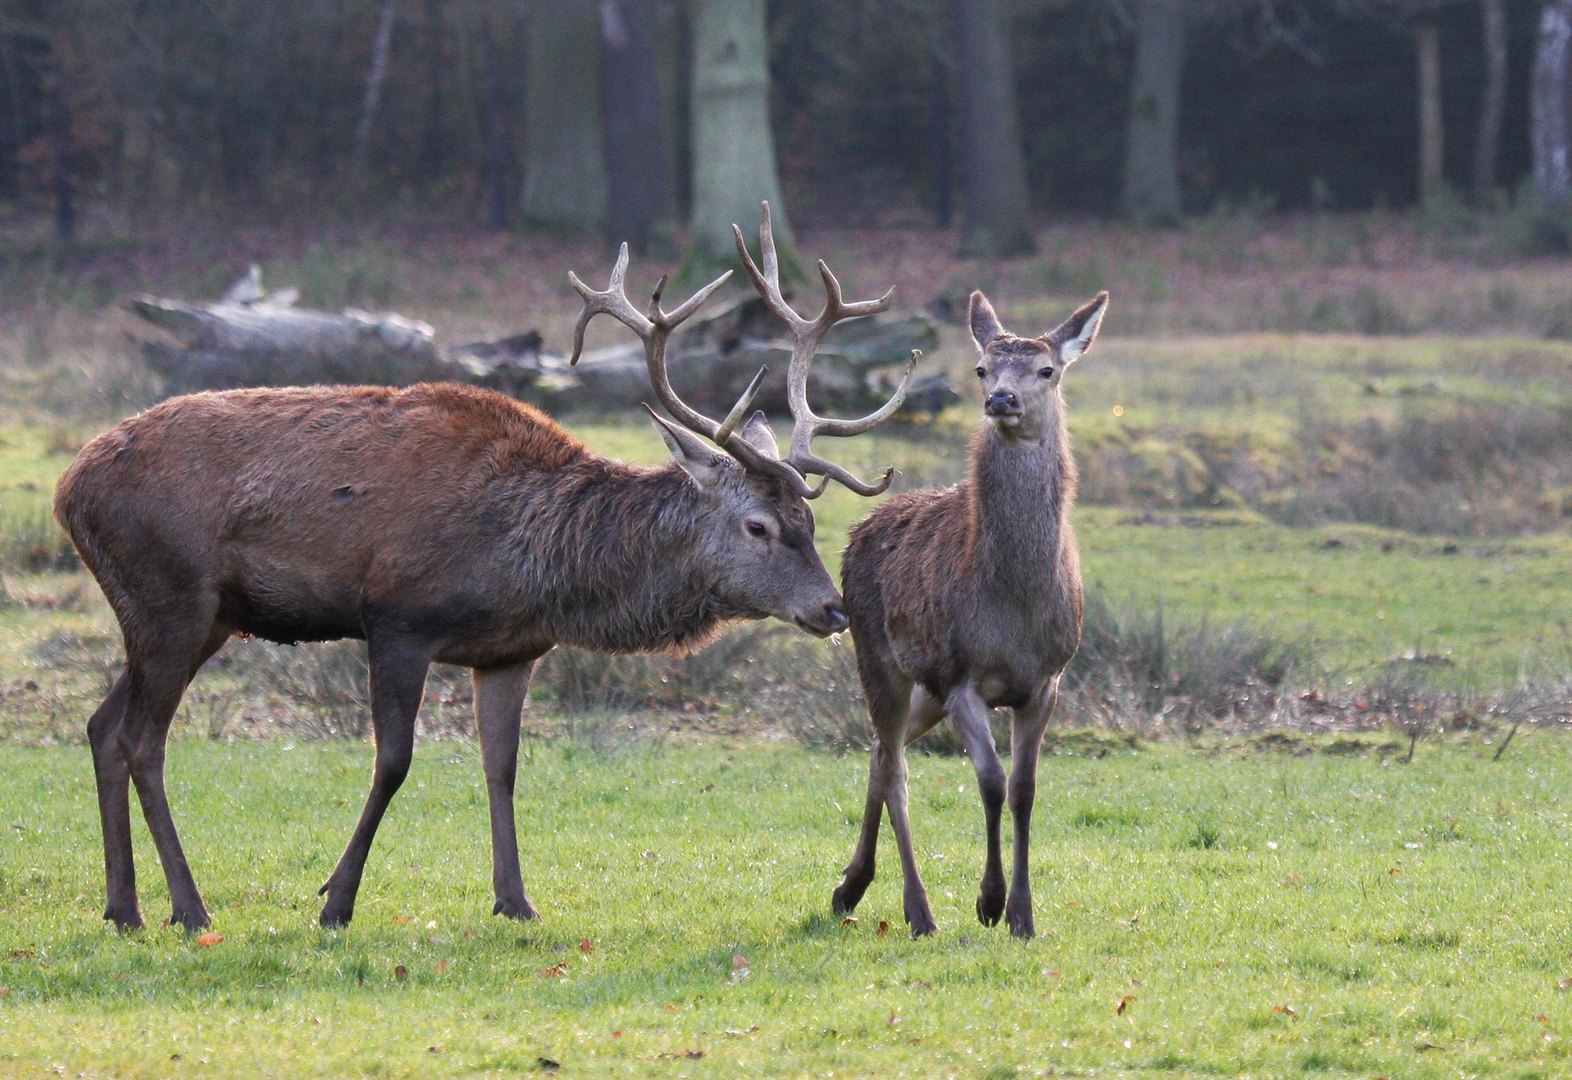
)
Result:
{"points": [[1021, 493]]}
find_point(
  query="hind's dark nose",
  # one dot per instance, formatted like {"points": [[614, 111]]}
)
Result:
{"points": [[1002, 403]]}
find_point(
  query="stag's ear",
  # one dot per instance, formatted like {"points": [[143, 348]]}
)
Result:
{"points": [[1074, 336], [758, 434], [984, 323], [698, 459]]}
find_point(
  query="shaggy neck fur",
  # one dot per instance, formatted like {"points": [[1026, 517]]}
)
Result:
{"points": [[616, 560], [1020, 492]]}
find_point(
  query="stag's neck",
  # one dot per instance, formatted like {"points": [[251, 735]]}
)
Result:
{"points": [[618, 566], [1021, 493]]}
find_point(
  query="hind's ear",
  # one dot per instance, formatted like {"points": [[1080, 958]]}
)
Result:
{"points": [[706, 465], [1075, 335], [984, 323], [758, 434]]}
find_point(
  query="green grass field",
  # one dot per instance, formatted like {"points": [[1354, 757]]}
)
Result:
{"points": [[1331, 914]]}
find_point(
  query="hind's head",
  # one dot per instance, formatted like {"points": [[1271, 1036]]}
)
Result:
{"points": [[1021, 376]]}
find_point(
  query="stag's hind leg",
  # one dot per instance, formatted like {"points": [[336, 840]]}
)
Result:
{"points": [[1026, 739], [499, 705], [969, 713], [398, 683], [112, 773], [153, 682]]}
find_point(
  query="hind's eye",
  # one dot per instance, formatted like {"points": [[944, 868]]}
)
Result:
{"points": [[1046, 373], [981, 372], [757, 528]]}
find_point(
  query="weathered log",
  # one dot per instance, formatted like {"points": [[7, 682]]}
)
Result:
{"points": [[255, 338], [251, 338]]}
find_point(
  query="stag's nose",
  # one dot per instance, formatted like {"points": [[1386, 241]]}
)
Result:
{"points": [[835, 618], [1002, 403]]}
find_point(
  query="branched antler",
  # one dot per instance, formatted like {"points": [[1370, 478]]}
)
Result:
{"points": [[654, 329], [806, 335]]}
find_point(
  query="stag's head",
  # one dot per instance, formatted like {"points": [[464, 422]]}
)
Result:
{"points": [[757, 527], [1021, 376]]}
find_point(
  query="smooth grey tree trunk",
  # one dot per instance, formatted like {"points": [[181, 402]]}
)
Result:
{"points": [[996, 218], [1432, 153], [368, 108], [1548, 103], [733, 145], [638, 165], [564, 166], [1151, 156], [1493, 108]]}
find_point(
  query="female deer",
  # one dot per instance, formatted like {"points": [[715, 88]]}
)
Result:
{"points": [[967, 598]]}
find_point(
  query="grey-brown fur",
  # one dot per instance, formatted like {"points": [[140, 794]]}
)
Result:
{"points": [[439, 523], [968, 598]]}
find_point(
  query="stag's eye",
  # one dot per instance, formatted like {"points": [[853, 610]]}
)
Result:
{"points": [[981, 372], [757, 528], [1046, 373]]}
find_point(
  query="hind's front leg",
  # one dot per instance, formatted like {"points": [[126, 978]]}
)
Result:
{"points": [[1026, 739], [499, 705], [970, 715]]}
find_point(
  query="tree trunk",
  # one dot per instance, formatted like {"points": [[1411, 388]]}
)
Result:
{"points": [[1151, 157], [638, 168], [368, 108], [1548, 103], [1493, 108], [495, 132], [564, 168], [996, 218], [1431, 149], [60, 136], [941, 139], [733, 144]]}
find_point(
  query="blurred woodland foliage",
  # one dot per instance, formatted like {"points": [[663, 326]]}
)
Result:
{"points": [[424, 107]]}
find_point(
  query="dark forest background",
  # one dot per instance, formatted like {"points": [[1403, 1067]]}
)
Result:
{"points": [[260, 110]]}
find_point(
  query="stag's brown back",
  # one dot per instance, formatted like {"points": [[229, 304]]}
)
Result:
{"points": [[295, 508]]}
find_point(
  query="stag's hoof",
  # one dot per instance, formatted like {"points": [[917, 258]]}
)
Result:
{"points": [[190, 921], [124, 916], [518, 908]]}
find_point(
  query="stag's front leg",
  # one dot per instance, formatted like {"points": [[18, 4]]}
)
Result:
{"points": [[398, 683], [1026, 740], [499, 705], [970, 715]]}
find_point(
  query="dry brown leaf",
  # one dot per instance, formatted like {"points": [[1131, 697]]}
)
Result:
{"points": [[884, 928], [1124, 1003], [1288, 1009], [553, 972], [441, 966], [401, 973], [402, 919], [586, 947], [208, 940]]}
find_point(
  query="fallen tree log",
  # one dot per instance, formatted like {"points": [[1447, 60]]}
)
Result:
{"points": [[254, 338], [251, 338]]}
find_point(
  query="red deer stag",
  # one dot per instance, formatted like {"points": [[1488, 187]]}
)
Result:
{"points": [[438, 523], [967, 598]]}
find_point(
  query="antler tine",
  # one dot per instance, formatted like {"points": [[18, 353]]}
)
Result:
{"points": [[733, 418], [612, 301], [806, 335]]}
